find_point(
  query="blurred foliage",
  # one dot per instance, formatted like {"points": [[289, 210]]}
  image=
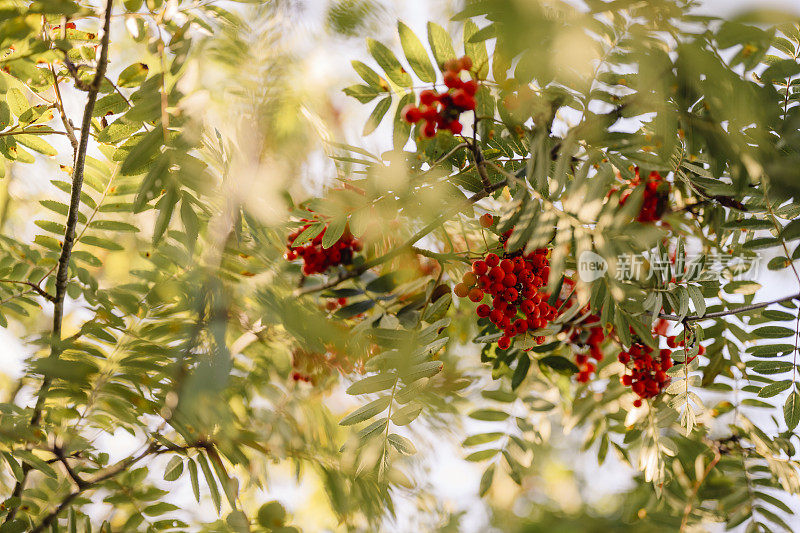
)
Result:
{"points": [[179, 369]]}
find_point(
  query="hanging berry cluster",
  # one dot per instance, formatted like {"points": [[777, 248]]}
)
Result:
{"points": [[648, 375], [317, 259], [589, 335], [514, 282], [656, 196], [439, 111], [586, 334]]}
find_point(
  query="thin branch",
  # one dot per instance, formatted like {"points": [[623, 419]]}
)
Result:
{"points": [[70, 130], [687, 510], [734, 311], [40, 291], [408, 245], [62, 274]]}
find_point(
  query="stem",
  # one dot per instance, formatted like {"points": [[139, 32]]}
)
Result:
{"points": [[734, 311], [62, 275], [687, 510]]}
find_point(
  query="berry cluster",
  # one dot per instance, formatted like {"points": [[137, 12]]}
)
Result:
{"points": [[441, 111], [317, 259], [584, 332], [648, 375], [656, 194], [590, 334], [514, 283]]}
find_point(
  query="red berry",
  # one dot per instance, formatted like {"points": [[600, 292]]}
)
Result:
{"points": [[480, 267], [428, 97], [465, 63], [483, 310], [504, 342], [455, 127], [492, 260], [470, 87], [507, 265], [637, 402], [469, 278], [486, 220], [412, 114], [429, 130], [497, 274], [476, 295], [452, 80], [461, 290]]}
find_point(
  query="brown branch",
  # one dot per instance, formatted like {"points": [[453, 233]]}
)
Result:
{"points": [[408, 245], [114, 470], [734, 311], [68, 126], [40, 291], [62, 274]]}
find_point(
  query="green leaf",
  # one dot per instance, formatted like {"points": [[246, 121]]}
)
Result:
{"points": [[174, 469], [774, 389], [37, 144], [271, 514], [389, 63], [481, 455], [210, 481], [372, 384], [112, 225], [334, 231], [133, 75], [194, 480], [486, 480], [17, 102], [5, 115], [369, 76], [560, 364], [362, 93], [238, 521], [791, 410], [365, 412], [416, 54], [476, 50], [791, 231], [440, 43], [523, 364], [402, 129], [377, 115], [488, 415], [351, 310], [402, 444], [406, 414], [308, 234], [773, 332], [143, 153]]}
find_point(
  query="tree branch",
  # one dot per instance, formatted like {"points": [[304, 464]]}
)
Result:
{"points": [[734, 311], [40, 291], [62, 274], [114, 470], [408, 245]]}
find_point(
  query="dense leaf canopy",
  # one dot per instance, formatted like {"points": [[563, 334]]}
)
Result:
{"points": [[557, 226]]}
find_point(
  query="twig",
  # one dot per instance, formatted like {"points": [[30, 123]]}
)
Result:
{"points": [[62, 274], [687, 510], [40, 291], [717, 314]]}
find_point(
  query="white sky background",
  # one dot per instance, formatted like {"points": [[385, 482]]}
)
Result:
{"points": [[455, 481]]}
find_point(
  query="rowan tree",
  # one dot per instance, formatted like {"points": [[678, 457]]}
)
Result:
{"points": [[556, 249]]}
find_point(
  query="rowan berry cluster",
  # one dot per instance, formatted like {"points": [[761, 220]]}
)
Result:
{"points": [[589, 335], [439, 111], [656, 195], [514, 283], [317, 259], [648, 375]]}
